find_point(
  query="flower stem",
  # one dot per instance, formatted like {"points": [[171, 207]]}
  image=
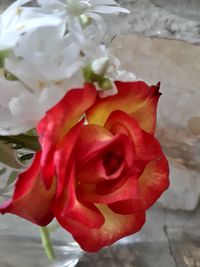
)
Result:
{"points": [[46, 242]]}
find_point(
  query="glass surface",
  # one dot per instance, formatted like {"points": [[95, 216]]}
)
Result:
{"points": [[18, 251], [20, 245]]}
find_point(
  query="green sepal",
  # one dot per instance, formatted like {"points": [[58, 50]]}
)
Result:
{"points": [[89, 75], [3, 55], [105, 84], [22, 141], [2, 171]]}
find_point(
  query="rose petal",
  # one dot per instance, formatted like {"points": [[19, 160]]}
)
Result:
{"points": [[63, 154], [116, 226], [135, 98], [122, 189], [31, 200], [93, 149], [92, 140], [120, 122], [58, 121], [68, 206], [152, 183]]}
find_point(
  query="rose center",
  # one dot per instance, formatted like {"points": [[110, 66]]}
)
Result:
{"points": [[112, 161]]}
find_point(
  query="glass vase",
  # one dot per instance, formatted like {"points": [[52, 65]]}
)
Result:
{"points": [[20, 245]]}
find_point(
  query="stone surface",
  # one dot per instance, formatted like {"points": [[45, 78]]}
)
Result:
{"points": [[131, 255], [169, 239], [176, 65], [171, 19]]}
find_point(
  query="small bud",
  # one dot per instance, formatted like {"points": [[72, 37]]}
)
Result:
{"points": [[89, 75], [100, 66], [85, 20], [105, 84]]}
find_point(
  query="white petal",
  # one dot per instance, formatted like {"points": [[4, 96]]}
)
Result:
{"points": [[100, 65], [110, 9], [14, 6], [125, 76], [9, 40], [11, 13], [24, 112], [9, 89], [34, 23]]}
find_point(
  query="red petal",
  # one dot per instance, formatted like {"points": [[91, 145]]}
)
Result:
{"points": [[58, 121], [125, 189], [67, 205], [135, 98], [31, 200], [152, 183], [92, 140], [64, 153], [116, 226], [120, 122], [148, 153], [92, 146]]}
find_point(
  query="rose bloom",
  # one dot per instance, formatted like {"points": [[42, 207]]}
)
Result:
{"points": [[100, 167]]}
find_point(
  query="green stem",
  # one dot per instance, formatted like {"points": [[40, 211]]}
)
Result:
{"points": [[26, 141], [46, 242]]}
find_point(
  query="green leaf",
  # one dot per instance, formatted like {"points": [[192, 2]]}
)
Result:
{"points": [[8, 156], [22, 141], [26, 157], [12, 178], [2, 171]]}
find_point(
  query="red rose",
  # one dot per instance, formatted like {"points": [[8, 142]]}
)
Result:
{"points": [[99, 178]]}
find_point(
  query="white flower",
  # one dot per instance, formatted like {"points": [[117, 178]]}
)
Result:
{"points": [[20, 109], [47, 64], [84, 13], [49, 45], [89, 7], [45, 56], [104, 62], [17, 20]]}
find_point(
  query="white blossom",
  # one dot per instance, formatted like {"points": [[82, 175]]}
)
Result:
{"points": [[18, 20], [49, 47], [45, 56], [20, 109], [83, 13]]}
